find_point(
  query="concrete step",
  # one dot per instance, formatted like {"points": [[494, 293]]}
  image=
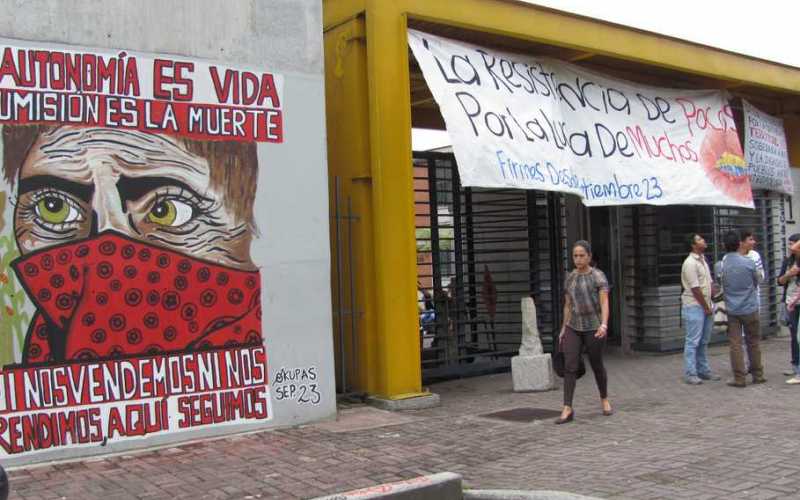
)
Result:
{"points": [[442, 486], [522, 495]]}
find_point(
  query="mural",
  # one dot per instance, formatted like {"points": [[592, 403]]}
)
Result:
{"points": [[132, 302]]}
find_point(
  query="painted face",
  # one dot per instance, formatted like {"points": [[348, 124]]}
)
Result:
{"points": [[580, 257], [128, 249], [78, 182]]}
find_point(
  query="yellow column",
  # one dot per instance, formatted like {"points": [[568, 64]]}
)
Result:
{"points": [[397, 372], [347, 115]]}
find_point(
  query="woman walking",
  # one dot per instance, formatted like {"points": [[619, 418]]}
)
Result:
{"points": [[585, 326], [788, 279]]}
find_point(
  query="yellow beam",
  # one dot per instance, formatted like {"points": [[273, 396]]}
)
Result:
{"points": [[397, 367], [582, 57], [529, 22], [733, 85], [336, 12]]}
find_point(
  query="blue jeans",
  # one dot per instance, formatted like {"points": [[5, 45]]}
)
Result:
{"points": [[698, 327]]}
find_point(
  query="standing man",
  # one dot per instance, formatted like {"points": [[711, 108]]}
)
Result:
{"points": [[788, 280], [696, 311], [747, 247], [740, 278]]}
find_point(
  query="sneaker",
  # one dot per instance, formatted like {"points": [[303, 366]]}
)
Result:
{"points": [[734, 383], [789, 372], [759, 380], [709, 376], [794, 380], [693, 380]]}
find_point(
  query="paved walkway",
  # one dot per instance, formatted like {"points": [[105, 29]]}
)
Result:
{"points": [[667, 440]]}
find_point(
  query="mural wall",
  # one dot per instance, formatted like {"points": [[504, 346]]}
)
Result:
{"points": [[132, 295]]}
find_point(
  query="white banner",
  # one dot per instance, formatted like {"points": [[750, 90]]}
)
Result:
{"points": [[536, 123], [765, 151]]}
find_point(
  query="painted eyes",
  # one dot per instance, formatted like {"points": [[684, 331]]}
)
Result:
{"points": [[54, 209], [170, 212], [58, 212]]}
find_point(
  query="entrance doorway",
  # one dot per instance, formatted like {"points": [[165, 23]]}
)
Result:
{"points": [[604, 236], [479, 252]]}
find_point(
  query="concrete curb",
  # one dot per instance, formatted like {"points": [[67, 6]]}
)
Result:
{"points": [[442, 486], [522, 495]]}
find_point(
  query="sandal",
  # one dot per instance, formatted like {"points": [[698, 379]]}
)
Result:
{"points": [[566, 420]]}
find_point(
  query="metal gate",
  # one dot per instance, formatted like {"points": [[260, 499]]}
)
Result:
{"points": [[768, 227], [479, 251], [655, 248], [346, 309]]}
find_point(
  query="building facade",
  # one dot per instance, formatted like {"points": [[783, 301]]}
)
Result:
{"points": [[416, 243]]}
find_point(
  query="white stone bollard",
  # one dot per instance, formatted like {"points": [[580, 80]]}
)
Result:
{"points": [[531, 370]]}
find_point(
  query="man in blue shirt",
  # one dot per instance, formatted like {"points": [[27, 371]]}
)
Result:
{"points": [[740, 278]]}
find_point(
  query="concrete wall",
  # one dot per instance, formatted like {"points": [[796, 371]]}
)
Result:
{"points": [[284, 35], [291, 249]]}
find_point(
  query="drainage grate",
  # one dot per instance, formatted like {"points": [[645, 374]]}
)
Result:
{"points": [[525, 414]]}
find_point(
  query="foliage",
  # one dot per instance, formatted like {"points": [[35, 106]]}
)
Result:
{"points": [[424, 239], [14, 319]]}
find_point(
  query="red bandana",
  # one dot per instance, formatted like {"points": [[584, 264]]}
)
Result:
{"points": [[109, 297]]}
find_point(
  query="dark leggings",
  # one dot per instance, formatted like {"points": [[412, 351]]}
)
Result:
{"points": [[572, 345]]}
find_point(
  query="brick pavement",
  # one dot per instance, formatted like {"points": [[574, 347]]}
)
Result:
{"points": [[667, 440]]}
